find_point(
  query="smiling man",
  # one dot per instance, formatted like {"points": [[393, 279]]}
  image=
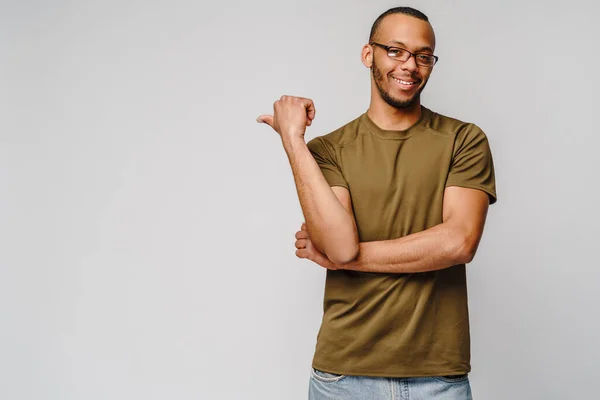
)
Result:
{"points": [[395, 204]]}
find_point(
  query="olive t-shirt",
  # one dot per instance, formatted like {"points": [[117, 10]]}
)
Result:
{"points": [[409, 324]]}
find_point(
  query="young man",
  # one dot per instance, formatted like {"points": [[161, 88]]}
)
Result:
{"points": [[395, 204]]}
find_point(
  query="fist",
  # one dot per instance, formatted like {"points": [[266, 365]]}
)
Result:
{"points": [[291, 116]]}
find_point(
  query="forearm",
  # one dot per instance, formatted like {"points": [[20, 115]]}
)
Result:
{"points": [[331, 227], [436, 248]]}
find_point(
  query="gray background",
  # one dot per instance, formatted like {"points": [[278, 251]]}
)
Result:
{"points": [[147, 222]]}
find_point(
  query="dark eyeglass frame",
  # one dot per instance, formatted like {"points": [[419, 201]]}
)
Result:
{"points": [[388, 48]]}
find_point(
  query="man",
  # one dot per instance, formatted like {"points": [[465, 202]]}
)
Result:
{"points": [[394, 204]]}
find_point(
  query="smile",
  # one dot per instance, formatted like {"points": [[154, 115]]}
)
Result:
{"points": [[405, 82]]}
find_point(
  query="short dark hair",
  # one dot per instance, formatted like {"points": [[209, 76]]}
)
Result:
{"points": [[396, 10]]}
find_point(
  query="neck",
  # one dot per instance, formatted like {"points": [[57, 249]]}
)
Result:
{"points": [[391, 118]]}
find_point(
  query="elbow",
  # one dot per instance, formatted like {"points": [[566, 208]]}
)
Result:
{"points": [[340, 246], [465, 250], [343, 256], [466, 257]]}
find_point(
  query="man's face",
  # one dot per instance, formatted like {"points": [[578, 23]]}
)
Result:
{"points": [[400, 83]]}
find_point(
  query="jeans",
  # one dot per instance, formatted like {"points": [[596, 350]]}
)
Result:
{"points": [[326, 386]]}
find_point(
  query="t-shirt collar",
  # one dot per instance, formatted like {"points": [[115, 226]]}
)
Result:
{"points": [[391, 134]]}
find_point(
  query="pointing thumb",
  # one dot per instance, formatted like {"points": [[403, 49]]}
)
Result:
{"points": [[266, 119]]}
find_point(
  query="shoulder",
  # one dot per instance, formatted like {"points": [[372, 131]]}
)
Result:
{"points": [[340, 137], [448, 126]]}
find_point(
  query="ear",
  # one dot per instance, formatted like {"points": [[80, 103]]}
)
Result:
{"points": [[367, 55]]}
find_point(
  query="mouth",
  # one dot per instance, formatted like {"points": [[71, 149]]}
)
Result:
{"points": [[406, 84]]}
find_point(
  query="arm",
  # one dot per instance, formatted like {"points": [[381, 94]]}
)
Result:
{"points": [[452, 242], [327, 211]]}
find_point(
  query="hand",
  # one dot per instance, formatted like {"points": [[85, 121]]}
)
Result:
{"points": [[291, 116], [308, 251]]}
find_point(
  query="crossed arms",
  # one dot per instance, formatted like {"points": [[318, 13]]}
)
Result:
{"points": [[452, 242], [329, 236]]}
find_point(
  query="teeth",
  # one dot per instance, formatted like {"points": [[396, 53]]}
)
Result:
{"points": [[404, 82]]}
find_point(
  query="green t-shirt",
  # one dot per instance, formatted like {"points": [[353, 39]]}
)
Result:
{"points": [[411, 324]]}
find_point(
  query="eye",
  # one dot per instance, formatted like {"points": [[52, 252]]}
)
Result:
{"points": [[394, 52], [426, 58]]}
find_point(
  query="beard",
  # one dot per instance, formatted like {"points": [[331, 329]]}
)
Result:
{"points": [[387, 97]]}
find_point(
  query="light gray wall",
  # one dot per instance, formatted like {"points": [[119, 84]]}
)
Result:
{"points": [[147, 222]]}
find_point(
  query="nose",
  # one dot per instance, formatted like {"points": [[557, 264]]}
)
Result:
{"points": [[410, 64]]}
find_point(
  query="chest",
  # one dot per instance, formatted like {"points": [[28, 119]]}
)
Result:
{"points": [[396, 185], [416, 165]]}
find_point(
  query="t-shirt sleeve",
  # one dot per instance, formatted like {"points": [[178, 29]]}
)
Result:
{"points": [[324, 154], [472, 163]]}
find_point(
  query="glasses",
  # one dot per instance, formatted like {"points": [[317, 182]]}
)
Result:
{"points": [[397, 53]]}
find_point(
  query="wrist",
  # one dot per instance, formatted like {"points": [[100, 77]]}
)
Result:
{"points": [[292, 142]]}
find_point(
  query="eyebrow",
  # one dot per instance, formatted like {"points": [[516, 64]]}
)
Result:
{"points": [[424, 48]]}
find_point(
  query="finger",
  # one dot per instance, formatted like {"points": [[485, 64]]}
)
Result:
{"points": [[300, 244], [310, 108], [303, 253], [266, 119], [301, 235], [303, 227]]}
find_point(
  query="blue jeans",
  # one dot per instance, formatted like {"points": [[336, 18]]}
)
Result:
{"points": [[326, 386]]}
